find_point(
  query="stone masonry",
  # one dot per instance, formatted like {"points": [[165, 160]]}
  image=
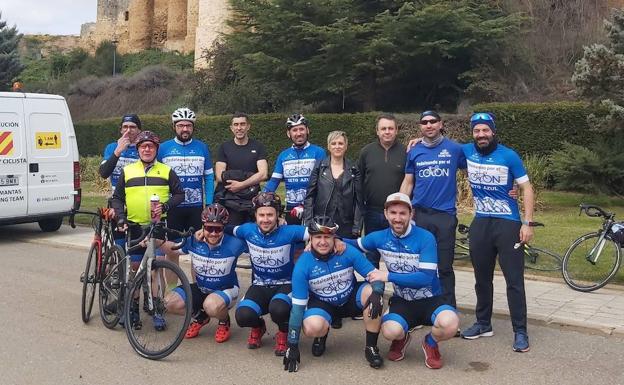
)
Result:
{"points": [[173, 25]]}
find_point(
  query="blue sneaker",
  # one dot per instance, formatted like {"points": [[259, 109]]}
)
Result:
{"points": [[159, 322], [477, 330], [521, 342]]}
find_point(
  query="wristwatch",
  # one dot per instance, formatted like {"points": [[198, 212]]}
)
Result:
{"points": [[530, 224]]}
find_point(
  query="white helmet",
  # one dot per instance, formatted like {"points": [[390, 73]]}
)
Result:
{"points": [[183, 113]]}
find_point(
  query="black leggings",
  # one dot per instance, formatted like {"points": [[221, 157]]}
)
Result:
{"points": [[490, 237], [260, 300]]}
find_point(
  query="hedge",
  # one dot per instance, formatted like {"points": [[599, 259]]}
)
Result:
{"points": [[536, 128]]}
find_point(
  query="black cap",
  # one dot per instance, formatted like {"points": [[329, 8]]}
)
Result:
{"points": [[430, 113], [134, 118]]}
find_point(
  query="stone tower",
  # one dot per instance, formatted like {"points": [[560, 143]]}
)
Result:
{"points": [[173, 25]]}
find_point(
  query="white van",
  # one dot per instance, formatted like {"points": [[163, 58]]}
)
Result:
{"points": [[39, 162]]}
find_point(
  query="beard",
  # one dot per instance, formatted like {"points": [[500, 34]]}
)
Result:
{"points": [[487, 149]]}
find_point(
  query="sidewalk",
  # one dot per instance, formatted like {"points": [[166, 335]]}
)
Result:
{"points": [[547, 302]]}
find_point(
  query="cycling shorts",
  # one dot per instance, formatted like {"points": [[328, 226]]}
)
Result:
{"points": [[258, 297], [229, 296], [351, 308], [418, 312]]}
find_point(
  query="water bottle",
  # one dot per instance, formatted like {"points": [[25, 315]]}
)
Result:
{"points": [[154, 201]]}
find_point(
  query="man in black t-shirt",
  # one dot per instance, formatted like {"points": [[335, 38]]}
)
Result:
{"points": [[241, 166]]}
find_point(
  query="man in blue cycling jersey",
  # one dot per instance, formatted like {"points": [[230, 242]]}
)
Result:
{"points": [[119, 154], [213, 264], [497, 228], [410, 254], [190, 160], [294, 165], [325, 283]]}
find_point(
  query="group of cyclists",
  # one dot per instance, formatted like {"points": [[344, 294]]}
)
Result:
{"points": [[408, 220]]}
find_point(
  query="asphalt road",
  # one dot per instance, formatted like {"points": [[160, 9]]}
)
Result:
{"points": [[43, 341]]}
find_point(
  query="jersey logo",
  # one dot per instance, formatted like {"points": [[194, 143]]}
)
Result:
{"points": [[253, 151], [444, 154], [483, 174]]}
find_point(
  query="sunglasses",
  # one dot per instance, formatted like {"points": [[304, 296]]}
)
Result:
{"points": [[213, 229], [481, 116], [430, 121]]}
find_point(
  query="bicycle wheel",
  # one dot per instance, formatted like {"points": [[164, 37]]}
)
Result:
{"points": [[580, 272], [89, 283], [540, 259], [111, 295], [156, 333]]}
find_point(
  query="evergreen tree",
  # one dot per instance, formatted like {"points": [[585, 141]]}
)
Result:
{"points": [[599, 77], [10, 64]]}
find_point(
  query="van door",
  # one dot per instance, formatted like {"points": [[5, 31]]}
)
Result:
{"points": [[50, 156], [13, 158]]}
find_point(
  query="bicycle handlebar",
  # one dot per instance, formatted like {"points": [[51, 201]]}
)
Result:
{"points": [[594, 211], [147, 230]]}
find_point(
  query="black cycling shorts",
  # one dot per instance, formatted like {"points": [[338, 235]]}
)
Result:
{"points": [[413, 313], [182, 218], [258, 297]]}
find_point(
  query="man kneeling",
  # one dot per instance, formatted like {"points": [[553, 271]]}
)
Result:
{"points": [[325, 282]]}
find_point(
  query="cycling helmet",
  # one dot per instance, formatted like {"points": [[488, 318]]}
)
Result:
{"points": [[322, 225], [183, 113], [295, 120], [215, 213], [147, 136], [267, 199]]}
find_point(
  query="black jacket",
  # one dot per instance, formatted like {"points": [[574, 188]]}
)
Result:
{"points": [[320, 191]]}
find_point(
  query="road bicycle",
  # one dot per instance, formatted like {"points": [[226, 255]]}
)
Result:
{"points": [[535, 258], [153, 330], [593, 259], [102, 242]]}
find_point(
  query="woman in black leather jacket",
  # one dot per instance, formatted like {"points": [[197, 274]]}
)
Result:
{"points": [[335, 189]]}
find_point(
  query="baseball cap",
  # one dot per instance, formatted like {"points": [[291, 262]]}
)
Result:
{"points": [[398, 197]]}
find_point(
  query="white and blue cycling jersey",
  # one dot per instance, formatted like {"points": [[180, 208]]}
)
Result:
{"points": [[330, 281], [295, 165], [435, 174], [192, 163], [129, 155], [214, 268], [411, 259], [271, 254], [491, 177]]}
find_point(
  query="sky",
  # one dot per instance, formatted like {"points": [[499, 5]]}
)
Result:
{"points": [[54, 17]]}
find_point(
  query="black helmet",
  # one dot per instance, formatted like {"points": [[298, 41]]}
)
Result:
{"points": [[215, 213], [147, 136], [322, 225], [295, 120], [267, 199]]}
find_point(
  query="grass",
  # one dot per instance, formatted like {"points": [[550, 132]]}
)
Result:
{"points": [[559, 214]]}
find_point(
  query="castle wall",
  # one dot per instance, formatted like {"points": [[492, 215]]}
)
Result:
{"points": [[212, 18]]}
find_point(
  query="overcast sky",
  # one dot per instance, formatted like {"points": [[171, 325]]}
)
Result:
{"points": [[54, 17]]}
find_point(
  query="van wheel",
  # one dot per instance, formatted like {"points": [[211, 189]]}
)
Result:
{"points": [[52, 224]]}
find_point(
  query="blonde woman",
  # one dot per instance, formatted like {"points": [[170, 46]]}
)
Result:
{"points": [[334, 189]]}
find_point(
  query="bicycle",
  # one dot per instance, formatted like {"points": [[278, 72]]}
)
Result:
{"points": [[535, 258], [593, 259], [123, 289], [103, 240]]}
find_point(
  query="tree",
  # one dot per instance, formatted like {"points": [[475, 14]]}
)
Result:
{"points": [[363, 54], [10, 64], [599, 77]]}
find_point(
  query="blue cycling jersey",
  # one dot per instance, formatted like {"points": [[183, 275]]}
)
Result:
{"points": [[129, 155], [295, 165], [192, 163], [435, 174], [271, 254], [411, 259], [215, 268], [491, 177], [331, 281]]}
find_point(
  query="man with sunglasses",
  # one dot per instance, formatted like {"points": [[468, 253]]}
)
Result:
{"points": [[325, 282], [431, 180], [213, 269], [498, 228]]}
